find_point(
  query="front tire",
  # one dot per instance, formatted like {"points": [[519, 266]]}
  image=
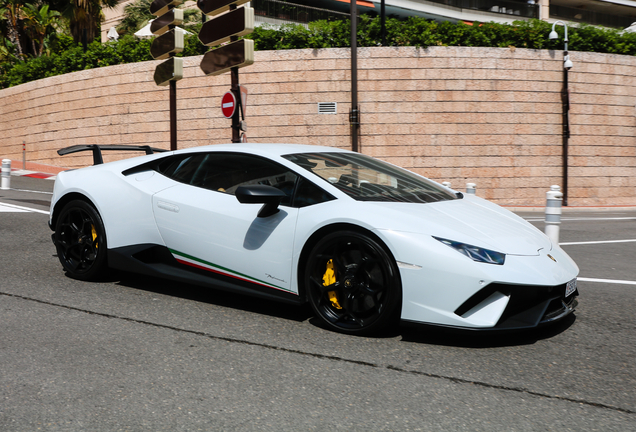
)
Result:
{"points": [[352, 282], [80, 240]]}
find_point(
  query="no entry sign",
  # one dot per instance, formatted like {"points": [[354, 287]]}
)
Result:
{"points": [[228, 104]]}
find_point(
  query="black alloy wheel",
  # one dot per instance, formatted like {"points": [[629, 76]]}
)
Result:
{"points": [[80, 241], [352, 283]]}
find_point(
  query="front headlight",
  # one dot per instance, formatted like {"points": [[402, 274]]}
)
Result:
{"points": [[475, 253]]}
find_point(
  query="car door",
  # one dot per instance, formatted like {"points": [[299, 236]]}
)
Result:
{"points": [[204, 225]]}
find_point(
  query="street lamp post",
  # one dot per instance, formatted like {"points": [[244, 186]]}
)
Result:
{"points": [[354, 113], [565, 99]]}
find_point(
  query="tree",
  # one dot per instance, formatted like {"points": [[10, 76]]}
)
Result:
{"points": [[137, 15], [11, 11], [40, 21], [84, 17]]}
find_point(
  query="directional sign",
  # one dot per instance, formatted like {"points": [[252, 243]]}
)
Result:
{"points": [[215, 7], [238, 22], [170, 42], [235, 54], [162, 24], [170, 70], [228, 104], [160, 7]]}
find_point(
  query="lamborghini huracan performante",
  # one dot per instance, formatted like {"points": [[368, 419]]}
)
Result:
{"points": [[362, 241]]}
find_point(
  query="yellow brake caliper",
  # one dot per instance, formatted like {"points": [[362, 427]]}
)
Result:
{"points": [[94, 234], [329, 278]]}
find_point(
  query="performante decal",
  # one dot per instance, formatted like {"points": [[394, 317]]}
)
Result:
{"points": [[195, 262]]}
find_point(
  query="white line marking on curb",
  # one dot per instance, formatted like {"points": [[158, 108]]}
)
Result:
{"points": [[597, 242], [20, 208], [607, 281]]}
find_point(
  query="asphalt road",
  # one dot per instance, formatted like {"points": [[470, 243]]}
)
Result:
{"points": [[139, 354]]}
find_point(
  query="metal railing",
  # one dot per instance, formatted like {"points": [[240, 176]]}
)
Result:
{"points": [[590, 17], [290, 12], [508, 7], [294, 13]]}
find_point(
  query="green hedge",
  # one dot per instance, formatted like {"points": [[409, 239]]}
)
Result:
{"points": [[419, 32], [69, 57]]}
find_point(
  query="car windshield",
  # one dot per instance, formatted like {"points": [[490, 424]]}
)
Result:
{"points": [[367, 179]]}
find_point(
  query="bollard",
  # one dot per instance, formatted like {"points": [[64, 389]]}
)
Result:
{"points": [[553, 213], [471, 188], [6, 174], [447, 184]]}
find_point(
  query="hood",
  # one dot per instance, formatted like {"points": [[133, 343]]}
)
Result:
{"points": [[470, 220]]}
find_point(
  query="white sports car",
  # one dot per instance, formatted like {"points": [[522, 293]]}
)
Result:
{"points": [[361, 240]]}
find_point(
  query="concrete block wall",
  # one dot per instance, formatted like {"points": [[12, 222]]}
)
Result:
{"points": [[490, 116]]}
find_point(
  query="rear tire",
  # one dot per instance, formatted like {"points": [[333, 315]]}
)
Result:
{"points": [[80, 240], [362, 292]]}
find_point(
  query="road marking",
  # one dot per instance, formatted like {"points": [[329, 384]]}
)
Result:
{"points": [[18, 209], [597, 242], [7, 209], [40, 192], [607, 281], [536, 219]]}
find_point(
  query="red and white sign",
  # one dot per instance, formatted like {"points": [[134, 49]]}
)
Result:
{"points": [[228, 104]]}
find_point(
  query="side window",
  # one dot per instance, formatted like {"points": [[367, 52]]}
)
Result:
{"points": [[225, 172], [308, 194], [181, 168]]}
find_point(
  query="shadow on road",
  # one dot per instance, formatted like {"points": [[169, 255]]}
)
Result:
{"points": [[212, 296], [423, 334], [484, 339]]}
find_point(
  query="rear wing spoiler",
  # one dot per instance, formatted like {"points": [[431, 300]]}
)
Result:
{"points": [[97, 150]]}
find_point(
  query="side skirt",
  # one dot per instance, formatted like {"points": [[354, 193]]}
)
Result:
{"points": [[158, 261]]}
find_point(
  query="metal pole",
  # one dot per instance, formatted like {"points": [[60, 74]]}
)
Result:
{"points": [[566, 131], [236, 131], [173, 115], [383, 22], [234, 73], [24, 155], [173, 107], [354, 118]]}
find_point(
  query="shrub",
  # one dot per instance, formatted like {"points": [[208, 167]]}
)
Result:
{"points": [[66, 56]]}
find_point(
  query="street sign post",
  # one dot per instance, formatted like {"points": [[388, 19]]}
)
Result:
{"points": [[230, 57], [169, 41]]}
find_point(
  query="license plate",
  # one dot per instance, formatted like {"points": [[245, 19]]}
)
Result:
{"points": [[570, 287]]}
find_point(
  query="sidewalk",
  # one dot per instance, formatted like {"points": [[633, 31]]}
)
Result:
{"points": [[49, 172], [35, 170]]}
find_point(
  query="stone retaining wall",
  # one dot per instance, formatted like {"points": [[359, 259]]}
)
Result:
{"points": [[490, 116]]}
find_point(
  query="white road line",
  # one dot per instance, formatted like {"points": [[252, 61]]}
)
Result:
{"points": [[607, 281], [536, 219], [40, 192], [14, 208], [597, 242]]}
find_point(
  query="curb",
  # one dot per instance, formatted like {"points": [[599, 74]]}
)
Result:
{"points": [[33, 174]]}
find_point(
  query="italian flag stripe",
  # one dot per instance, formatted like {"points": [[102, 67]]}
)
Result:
{"points": [[214, 268]]}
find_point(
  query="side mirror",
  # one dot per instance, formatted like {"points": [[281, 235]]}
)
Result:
{"points": [[269, 196]]}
